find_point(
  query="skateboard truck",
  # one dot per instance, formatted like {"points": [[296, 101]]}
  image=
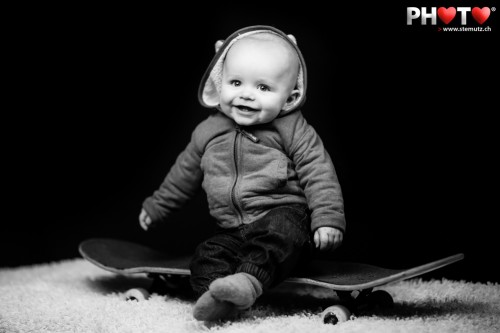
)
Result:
{"points": [[162, 284], [365, 300]]}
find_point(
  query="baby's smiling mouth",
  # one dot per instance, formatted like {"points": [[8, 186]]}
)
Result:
{"points": [[245, 108]]}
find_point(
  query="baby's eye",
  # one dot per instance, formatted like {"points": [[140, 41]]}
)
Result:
{"points": [[263, 87], [235, 83]]}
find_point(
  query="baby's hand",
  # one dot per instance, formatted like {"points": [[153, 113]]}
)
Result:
{"points": [[327, 238], [145, 220]]}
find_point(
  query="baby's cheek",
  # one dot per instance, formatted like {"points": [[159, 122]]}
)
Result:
{"points": [[226, 109]]}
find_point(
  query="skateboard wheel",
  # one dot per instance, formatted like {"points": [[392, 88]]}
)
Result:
{"points": [[335, 314], [136, 294], [381, 299]]}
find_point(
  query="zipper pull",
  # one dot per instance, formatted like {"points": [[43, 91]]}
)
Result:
{"points": [[248, 135]]}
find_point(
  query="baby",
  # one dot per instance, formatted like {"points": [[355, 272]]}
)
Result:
{"points": [[270, 183]]}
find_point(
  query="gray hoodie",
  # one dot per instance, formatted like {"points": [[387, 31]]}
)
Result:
{"points": [[247, 171]]}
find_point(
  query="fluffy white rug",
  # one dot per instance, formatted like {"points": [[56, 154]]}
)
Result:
{"points": [[75, 296]]}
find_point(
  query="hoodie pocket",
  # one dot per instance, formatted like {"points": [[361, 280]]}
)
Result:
{"points": [[281, 170], [264, 170]]}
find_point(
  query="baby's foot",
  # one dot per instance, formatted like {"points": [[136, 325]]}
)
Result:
{"points": [[207, 308], [240, 289]]}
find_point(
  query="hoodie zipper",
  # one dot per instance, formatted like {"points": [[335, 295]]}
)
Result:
{"points": [[247, 135], [236, 147], [236, 172]]}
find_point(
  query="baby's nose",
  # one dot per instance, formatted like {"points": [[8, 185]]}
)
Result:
{"points": [[246, 94]]}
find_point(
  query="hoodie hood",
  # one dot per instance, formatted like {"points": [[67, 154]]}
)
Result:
{"points": [[210, 85]]}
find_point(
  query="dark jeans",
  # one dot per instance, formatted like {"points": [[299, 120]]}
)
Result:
{"points": [[268, 249]]}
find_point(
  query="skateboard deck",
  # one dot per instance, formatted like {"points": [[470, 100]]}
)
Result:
{"points": [[124, 257]]}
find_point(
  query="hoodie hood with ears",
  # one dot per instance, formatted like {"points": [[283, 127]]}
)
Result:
{"points": [[210, 85]]}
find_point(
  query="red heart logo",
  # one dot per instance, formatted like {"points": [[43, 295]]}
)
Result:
{"points": [[480, 14], [446, 15]]}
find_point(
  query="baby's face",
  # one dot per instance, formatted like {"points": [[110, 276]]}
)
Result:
{"points": [[258, 80]]}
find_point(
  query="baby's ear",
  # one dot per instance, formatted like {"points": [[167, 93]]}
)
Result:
{"points": [[292, 37], [218, 44], [294, 95]]}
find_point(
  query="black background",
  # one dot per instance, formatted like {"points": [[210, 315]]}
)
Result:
{"points": [[102, 100]]}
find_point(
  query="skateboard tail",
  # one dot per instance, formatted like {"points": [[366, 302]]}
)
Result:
{"points": [[392, 276], [426, 268]]}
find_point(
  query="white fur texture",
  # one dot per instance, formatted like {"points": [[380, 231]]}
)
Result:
{"points": [[76, 296]]}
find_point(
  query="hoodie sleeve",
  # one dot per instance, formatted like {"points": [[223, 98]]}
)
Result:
{"points": [[181, 183], [317, 176]]}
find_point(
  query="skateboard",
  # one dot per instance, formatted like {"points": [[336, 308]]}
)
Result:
{"points": [[353, 282]]}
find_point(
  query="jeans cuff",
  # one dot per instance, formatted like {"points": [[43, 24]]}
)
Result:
{"points": [[200, 287], [256, 271]]}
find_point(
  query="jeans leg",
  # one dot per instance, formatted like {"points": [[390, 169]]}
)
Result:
{"points": [[214, 258], [275, 244]]}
